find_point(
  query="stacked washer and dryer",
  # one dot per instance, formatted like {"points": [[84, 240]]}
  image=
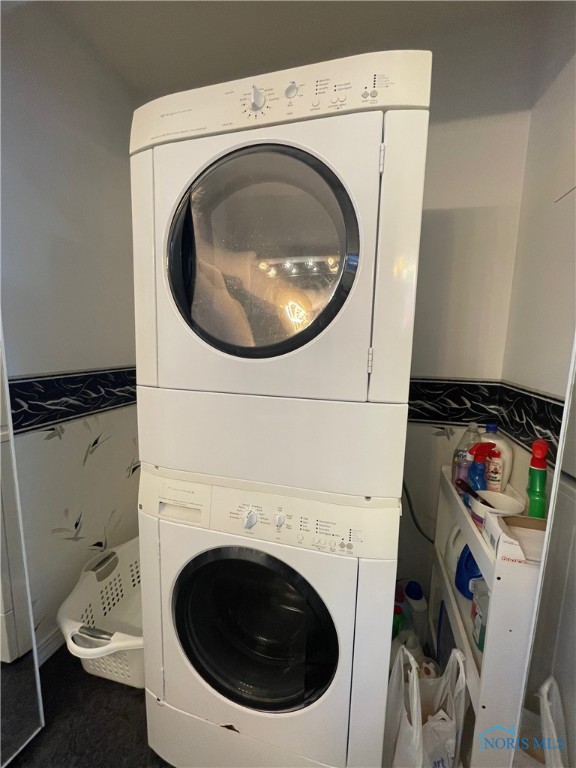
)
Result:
{"points": [[276, 234]]}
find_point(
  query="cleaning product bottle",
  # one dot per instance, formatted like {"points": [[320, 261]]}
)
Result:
{"points": [[494, 471], [537, 480], [397, 620], [418, 609], [477, 472], [493, 435], [459, 464], [466, 570]]}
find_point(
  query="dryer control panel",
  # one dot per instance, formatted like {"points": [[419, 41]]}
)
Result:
{"points": [[384, 80], [360, 529]]}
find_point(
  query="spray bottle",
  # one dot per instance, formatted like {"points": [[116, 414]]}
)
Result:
{"points": [[537, 480], [478, 454]]}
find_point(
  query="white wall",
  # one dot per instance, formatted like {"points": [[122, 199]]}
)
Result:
{"points": [[543, 300], [472, 200], [538, 352], [66, 245]]}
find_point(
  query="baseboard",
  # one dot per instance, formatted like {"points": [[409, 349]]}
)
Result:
{"points": [[49, 645]]}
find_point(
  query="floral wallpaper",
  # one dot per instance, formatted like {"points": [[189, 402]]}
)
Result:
{"points": [[79, 494]]}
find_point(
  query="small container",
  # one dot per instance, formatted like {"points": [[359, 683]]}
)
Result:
{"points": [[502, 504]]}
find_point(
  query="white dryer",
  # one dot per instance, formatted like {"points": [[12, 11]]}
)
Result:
{"points": [[276, 234], [267, 622]]}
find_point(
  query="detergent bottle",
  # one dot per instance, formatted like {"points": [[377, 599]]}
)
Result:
{"points": [[478, 454]]}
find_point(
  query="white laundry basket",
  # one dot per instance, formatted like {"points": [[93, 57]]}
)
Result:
{"points": [[102, 618]]}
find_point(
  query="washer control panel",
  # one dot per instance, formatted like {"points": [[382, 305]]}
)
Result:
{"points": [[387, 80], [341, 530], [354, 530]]}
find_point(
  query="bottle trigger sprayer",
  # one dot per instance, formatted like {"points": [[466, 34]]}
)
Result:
{"points": [[537, 480], [478, 454]]}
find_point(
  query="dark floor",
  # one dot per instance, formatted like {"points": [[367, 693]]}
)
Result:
{"points": [[90, 722], [20, 715]]}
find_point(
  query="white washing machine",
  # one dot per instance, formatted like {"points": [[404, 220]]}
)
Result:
{"points": [[267, 622], [276, 235]]}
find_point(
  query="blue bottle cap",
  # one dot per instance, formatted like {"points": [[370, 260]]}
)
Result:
{"points": [[492, 427], [413, 590]]}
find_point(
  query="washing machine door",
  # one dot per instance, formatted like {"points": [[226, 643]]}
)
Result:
{"points": [[254, 629], [263, 251], [265, 259]]}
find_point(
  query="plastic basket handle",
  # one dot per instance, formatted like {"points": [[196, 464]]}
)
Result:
{"points": [[119, 641]]}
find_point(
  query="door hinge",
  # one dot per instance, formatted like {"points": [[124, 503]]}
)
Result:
{"points": [[370, 358], [382, 151]]}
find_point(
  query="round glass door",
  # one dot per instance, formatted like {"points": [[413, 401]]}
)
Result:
{"points": [[263, 251], [254, 629]]}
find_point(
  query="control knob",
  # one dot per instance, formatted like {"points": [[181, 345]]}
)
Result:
{"points": [[279, 520], [291, 90], [250, 519], [258, 99]]}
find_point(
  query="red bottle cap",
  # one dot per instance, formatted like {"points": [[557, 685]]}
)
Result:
{"points": [[539, 451]]}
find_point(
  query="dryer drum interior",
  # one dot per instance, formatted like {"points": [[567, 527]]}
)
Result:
{"points": [[263, 251], [255, 629]]}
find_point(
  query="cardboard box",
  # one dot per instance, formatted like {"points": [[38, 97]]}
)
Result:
{"points": [[515, 539]]}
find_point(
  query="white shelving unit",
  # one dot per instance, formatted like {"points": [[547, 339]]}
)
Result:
{"points": [[496, 677]]}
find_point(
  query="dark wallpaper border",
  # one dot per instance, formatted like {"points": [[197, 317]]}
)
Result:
{"points": [[41, 401]]}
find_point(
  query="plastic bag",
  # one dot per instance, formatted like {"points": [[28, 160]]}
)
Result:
{"points": [[553, 723], [424, 717]]}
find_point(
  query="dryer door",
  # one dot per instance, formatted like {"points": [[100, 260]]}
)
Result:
{"points": [[263, 251], [254, 629], [265, 258]]}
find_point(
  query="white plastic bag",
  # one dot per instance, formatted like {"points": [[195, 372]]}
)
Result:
{"points": [[553, 723], [424, 717]]}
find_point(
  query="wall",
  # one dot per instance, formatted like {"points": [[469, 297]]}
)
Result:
{"points": [[67, 273], [540, 340], [67, 300], [472, 199], [542, 307]]}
